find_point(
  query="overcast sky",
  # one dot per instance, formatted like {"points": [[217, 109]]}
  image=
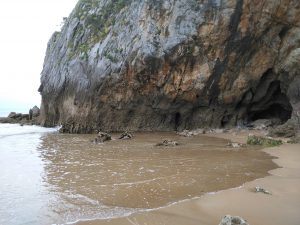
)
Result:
{"points": [[26, 26]]}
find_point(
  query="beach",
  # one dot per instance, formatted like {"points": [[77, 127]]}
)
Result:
{"points": [[281, 207], [53, 178]]}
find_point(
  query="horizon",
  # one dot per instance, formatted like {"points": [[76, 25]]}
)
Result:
{"points": [[28, 27]]}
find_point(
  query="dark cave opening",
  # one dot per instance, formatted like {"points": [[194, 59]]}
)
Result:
{"points": [[269, 102], [177, 120], [275, 111], [265, 101]]}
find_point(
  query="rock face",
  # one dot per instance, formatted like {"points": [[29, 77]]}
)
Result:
{"points": [[174, 64]]}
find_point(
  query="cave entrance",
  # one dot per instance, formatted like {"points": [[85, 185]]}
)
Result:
{"points": [[268, 101], [177, 119], [275, 111]]}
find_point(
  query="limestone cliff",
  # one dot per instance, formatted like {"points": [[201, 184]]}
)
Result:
{"points": [[172, 64]]}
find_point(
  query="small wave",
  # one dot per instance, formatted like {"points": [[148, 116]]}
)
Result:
{"points": [[9, 130]]}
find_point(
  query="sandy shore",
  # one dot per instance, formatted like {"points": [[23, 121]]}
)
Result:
{"points": [[282, 207]]}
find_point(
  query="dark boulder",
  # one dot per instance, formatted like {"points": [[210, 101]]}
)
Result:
{"points": [[126, 135], [102, 137]]}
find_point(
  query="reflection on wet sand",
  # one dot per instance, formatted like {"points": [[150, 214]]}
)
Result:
{"points": [[123, 176]]}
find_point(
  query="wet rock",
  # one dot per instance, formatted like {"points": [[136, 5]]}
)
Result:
{"points": [[102, 137], [235, 145], [262, 190], [168, 143], [126, 135], [263, 141], [233, 220], [188, 133]]}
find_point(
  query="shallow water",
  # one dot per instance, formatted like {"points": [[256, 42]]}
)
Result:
{"points": [[52, 178]]}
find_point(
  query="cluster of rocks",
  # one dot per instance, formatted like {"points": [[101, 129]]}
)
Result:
{"points": [[30, 118], [274, 129], [104, 137]]}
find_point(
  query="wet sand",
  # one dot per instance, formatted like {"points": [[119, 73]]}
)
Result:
{"points": [[282, 207], [52, 178]]}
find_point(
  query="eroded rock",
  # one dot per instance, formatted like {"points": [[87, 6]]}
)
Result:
{"points": [[262, 190], [286, 130], [168, 143], [294, 140], [233, 220], [235, 145], [102, 137], [261, 124], [126, 135]]}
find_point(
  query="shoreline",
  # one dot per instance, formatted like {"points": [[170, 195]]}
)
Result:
{"points": [[257, 208]]}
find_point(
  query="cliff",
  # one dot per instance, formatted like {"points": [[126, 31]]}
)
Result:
{"points": [[173, 64]]}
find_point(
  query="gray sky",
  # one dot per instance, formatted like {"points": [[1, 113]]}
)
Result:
{"points": [[26, 26]]}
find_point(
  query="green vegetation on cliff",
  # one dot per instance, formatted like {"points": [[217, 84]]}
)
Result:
{"points": [[98, 19]]}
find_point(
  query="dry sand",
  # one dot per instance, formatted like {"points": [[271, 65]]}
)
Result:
{"points": [[280, 208]]}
